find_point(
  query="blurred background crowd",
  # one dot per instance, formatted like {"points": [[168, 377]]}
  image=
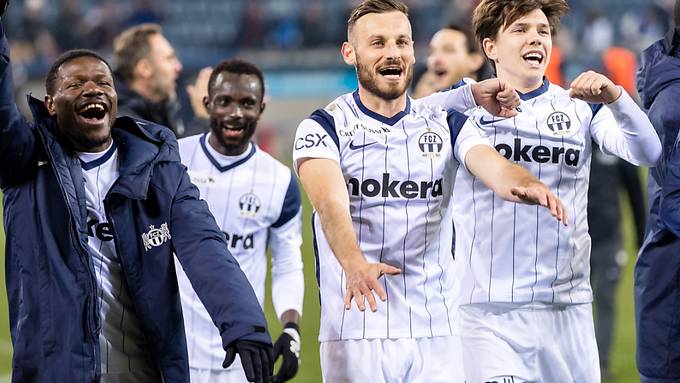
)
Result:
{"points": [[292, 34], [296, 43]]}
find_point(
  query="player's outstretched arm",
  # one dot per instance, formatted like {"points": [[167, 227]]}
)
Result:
{"points": [[325, 186], [621, 128], [494, 95], [511, 181], [497, 96]]}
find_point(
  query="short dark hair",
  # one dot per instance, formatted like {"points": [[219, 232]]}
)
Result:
{"points": [[374, 6], [469, 38], [51, 79], [237, 67], [132, 45], [490, 16]]}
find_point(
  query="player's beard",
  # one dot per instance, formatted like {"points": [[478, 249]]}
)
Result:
{"points": [[369, 81]]}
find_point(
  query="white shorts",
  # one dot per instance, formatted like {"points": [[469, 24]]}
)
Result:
{"points": [[234, 374], [412, 360], [536, 343]]}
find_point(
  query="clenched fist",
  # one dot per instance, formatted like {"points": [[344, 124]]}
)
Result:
{"points": [[594, 88]]}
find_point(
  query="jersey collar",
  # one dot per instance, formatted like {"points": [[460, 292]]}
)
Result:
{"points": [[536, 92], [100, 160], [216, 163], [385, 120]]}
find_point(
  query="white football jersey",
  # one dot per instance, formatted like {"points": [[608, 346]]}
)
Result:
{"points": [[122, 342], [256, 202], [511, 252], [399, 173]]}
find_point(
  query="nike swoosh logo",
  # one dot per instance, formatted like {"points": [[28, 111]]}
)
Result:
{"points": [[355, 147], [41, 163], [486, 122]]}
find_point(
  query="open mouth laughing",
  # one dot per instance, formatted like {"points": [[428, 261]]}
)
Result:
{"points": [[534, 58], [391, 72], [93, 113], [233, 130]]}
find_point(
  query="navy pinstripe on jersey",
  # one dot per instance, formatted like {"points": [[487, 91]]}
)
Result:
{"points": [[256, 202], [516, 252], [399, 173]]}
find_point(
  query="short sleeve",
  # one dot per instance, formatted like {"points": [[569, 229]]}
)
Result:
{"points": [[465, 133], [316, 137]]}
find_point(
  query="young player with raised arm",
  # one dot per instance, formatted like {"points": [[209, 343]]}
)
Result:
{"points": [[525, 294], [379, 169]]}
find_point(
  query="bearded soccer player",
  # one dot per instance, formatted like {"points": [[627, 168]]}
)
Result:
{"points": [[525, 294], [256, 202], [378, 168]]}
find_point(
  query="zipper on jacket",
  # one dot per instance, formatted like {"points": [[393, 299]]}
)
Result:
{"points": [[84, 256], [93, 311]]}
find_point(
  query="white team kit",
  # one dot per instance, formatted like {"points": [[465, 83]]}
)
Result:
{"points": [[519, 255], [256, 203], [399, 173], [124, 351]]}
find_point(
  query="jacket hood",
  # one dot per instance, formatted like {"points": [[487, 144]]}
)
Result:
{"points": [[142, 144], [659, 68]]}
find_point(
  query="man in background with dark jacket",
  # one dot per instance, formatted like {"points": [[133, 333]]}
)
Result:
{"points": [[609, 175], [657, 307], [94, 209], [146, 69]]}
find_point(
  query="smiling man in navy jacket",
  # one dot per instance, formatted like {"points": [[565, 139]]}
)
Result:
{"points": [[95, 207]]}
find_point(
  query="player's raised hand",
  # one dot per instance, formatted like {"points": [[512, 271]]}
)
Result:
{"points": [[256, 359], [594, 88], [3, 7], [497, 97], [198, 91], [537, 193], [362, 280], [288, 348]]}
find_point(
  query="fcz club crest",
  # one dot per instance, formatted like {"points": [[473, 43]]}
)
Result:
{"points": [[430, 144], [155, 237], [559, 123], [249, 205]]}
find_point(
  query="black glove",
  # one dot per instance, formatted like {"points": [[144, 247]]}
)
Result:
{"points": [[288, 347], [3, 6], [256, 359]]}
